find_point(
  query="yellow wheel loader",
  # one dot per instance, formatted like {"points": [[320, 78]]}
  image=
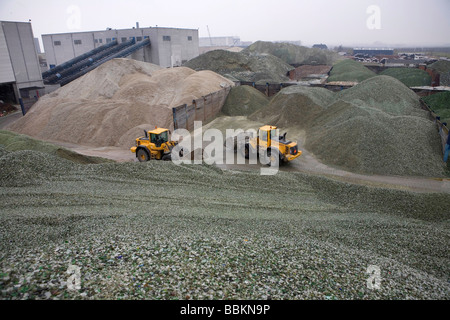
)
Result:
{"points": [[274, 148], [155, 145]]}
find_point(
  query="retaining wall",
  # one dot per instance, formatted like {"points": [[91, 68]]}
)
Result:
{"points": [[203, 109], [443, 131]]}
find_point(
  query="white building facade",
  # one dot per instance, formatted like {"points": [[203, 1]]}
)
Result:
{"points": [[168, 46], [20, 71]]}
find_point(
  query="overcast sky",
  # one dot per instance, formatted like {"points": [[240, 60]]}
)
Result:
{"points": [[347, 22]]}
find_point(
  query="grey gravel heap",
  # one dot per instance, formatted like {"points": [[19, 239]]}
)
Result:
{"points": [[148, 231]]}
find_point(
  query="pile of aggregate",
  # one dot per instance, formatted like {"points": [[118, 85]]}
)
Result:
{"points": [[385, 93], [110, 105], [11, 142], [375, 127], [294, 106], [367, 140], [440, 104], [443, 68], [244, 100], [294, 54], [243, 66], [25, 167], [223, 238], [351, 71], [410, 77]]}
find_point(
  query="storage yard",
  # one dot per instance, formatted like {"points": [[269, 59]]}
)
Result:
{"points": [[371, 188], [228, 239]]}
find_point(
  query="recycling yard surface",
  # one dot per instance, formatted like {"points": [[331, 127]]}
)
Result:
{"points": [[370, 189], [157, 230]]}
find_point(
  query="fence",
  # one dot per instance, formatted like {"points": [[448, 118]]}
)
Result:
{"points": [[443, 131], [203, 109], [271, 89]]}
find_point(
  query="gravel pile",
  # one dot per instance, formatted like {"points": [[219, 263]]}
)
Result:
{"points": [[244, 100], [443, 67], [23, 168], [349, 70], [376, 127], [12, 141], [367, 140], [220, 238], [293, 54], [3, 151], [294, 106], [440, 104], [410, 77], [243, 66], [384, 93]]}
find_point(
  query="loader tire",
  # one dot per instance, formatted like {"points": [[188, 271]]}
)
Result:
{"points": [[142, 155], [178, 152], [246, 151], [272, 157]]}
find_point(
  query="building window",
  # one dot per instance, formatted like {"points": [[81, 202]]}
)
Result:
{"points": [[57, 43], [166, 38], [138, 38], [108, 40], [77, 41], [124, 39], [189, 38]]}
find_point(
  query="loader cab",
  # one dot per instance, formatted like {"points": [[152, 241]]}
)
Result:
{"points": [[266, 134], [159, 136]]}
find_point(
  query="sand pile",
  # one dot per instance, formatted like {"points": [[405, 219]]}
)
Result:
{"points": [[294, 106], [105, 81], [376, 127], [243, 66], [349, 70], [293, 54], [243, 101], [111, 105]]}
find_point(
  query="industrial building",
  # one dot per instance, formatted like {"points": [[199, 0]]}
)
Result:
{"points": [[220, 42], [167, 46], [20, 72], [230, 43], [320, 46], [373, 52]]}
